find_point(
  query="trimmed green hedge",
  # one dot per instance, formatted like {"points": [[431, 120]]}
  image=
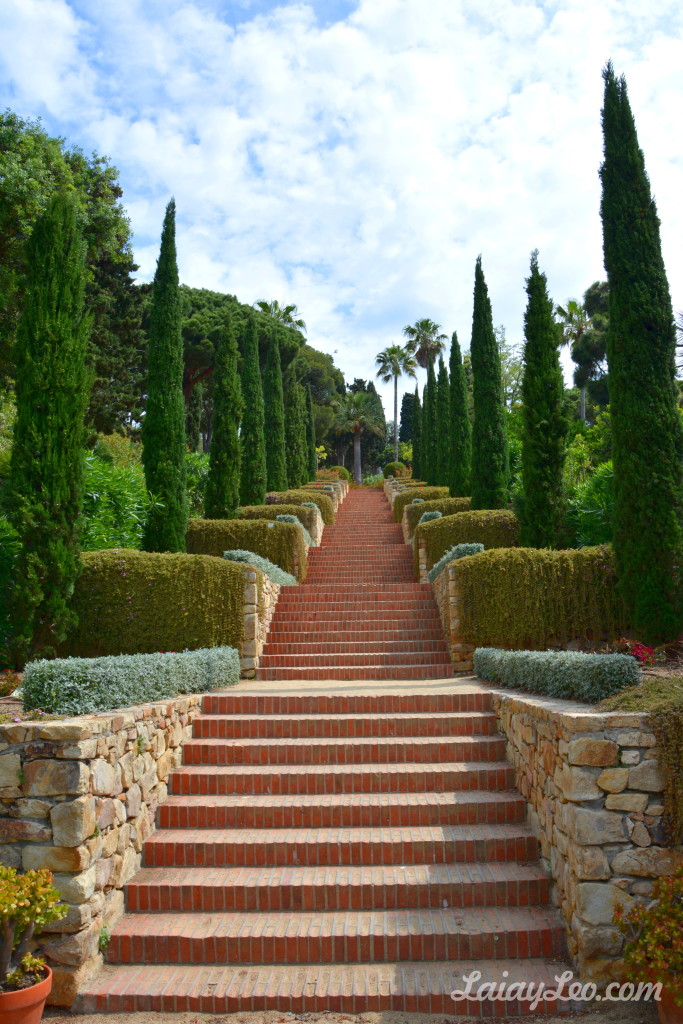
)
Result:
{"points": [[395, 469], [528, 598], [452, 555], [300, 497], [284, 517], [494, 528], [271, 570], [566, 675], [140, 602], [282, 543], [306, 516], [447, 507], [341, 471], [79, 686], [404, 498]]}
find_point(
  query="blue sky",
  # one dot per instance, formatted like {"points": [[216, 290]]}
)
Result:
{"points": [[355, 156]]}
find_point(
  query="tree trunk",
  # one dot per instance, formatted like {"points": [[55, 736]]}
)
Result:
{"points": [[395, 419], [357, 476]]}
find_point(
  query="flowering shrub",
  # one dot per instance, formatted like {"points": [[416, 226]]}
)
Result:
{"points": [[27, 903], [643, 653], [654, 933]]}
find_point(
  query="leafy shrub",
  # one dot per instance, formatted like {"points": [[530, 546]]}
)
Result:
{"points": [[78, 686], [448, 506], [306, 514], [494, 528], [590, 513], [373, 480], [523, 598], [305, 497], [428, 517], [282, 543], [569, 675], [118, 450], [394, 469], [418, 501], [285, 517], [9, 552], [405, 498], [197, 470], [274, 572], [115, 504], [452, 555], [341, 471], [138, 602]]}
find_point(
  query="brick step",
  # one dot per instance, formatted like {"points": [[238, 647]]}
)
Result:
{"points": [[358, 606], [387, 887], [358, 673], [436, 844], [342, 810], [437, 656], [352, 580], [379, 778], [231, 703], [344, 937], [316, 988], [325, 636], [283, 645], [389, 593], [348, 750], [467, 723], [356, 618]]}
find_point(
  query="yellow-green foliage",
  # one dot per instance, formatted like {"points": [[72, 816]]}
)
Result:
{"points": [[306, 516], [139, 602], [404, 498], [526, 598], [446, 506], [282, 543], [297, 497], [494, 528]]}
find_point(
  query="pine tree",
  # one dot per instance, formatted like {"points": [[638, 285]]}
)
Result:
{"points": [[295, 432], [430, 427], [489, 437], [417, 436], [646, 428], [163, 428], [252, 438], [544, 422], [310, 435], [274, 424], [222, 494], [443, 416], [461, 429], [52, 391]]}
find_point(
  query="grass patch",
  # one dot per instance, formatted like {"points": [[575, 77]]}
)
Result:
{"points": [[654, 693]]}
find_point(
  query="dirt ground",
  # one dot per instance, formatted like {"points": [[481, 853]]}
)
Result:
{"points": [[619, 1013]]}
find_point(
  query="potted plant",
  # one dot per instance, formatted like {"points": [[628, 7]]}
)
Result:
{"points": [[654, 944], [27, 903]]}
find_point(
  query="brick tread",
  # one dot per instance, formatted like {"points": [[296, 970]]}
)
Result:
{"points": [[230, 703], [265, 726], [344, 750], [346, 673]]}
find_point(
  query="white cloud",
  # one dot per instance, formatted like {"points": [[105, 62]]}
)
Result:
{"points": [[357, 166]]}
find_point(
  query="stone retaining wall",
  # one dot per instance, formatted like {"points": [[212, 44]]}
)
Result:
{"points": [[594, 795], [79, 796], [447, 593], [260, 600]]}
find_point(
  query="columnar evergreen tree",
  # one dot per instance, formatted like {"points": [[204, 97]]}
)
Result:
{"points": [[430, 427], [443, 434], [295, 432], [52, 391], [274, 425], [163, 428], [646, 428], [252, 438], [490, 470], [222, 493], [460, 427], [417, 436], [310, 435], [405, 431], [544, 422]]}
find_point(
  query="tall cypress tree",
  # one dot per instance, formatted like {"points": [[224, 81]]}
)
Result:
{"points": [[544, 422], [295, 431], [646, 429], [163, 428], [46, 472], [490, 468], [312, 460], [417, 436], [405, 432], [222, 494], [274, 422], [252, 438], [429, 427], [443, 434], [461, 429]]}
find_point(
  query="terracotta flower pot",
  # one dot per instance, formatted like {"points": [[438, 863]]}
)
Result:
{"points": [[25, 1006], [668, 1010]]}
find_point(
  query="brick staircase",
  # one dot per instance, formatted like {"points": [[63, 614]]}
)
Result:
{"points": [[360, 614]]}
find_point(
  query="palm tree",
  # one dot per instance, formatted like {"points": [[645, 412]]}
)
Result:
{"points": [[424, 341], [283, 314], [357, 414], [394, 362], [574, 322]]}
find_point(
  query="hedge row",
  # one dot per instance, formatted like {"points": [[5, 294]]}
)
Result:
{"points": [[446, 506], [404, 498], [140, 602], [452, 555], [78, 686], [299, 497], [494, 528], [567, 675], [306, 516], [282, 543], [271, 570], [528, 598]]}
